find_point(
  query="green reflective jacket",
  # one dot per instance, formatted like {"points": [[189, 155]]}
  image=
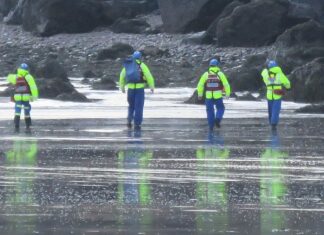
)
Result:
{"points": [[213, 94], [275, 83], [147, 76], [12, 79]]}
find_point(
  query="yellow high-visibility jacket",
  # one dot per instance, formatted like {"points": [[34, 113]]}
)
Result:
{"points": [[12, 79], [213, 94], [275, 83], [147, 77]]}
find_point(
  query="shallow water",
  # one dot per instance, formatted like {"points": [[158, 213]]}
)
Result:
{"points": [[172, 177]]}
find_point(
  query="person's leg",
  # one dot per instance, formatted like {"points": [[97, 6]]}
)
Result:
{"points": [[210, 113], [139, 107], [131, 106], [276, 107], [18, 106], [270, 105], [220, 111], [27, 109]]}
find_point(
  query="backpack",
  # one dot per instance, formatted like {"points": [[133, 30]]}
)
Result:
{"points": [[133, 71], [22, 86]]}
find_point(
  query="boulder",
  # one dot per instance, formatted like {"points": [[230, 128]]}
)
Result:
{"points": [[131, 8], [133, 26], [299, 45], [119, 50], [183, 16], [194, 99], [248, 76], [105, 84], [308, 82], [49, 17], [314, 108], [74, 96], [210, 35], [153, 51], [255, 24]]}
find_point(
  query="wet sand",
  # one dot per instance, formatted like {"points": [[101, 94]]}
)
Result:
{"points": [[95, 176]]}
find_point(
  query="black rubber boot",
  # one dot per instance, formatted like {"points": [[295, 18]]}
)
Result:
{"points": [[28, 124], [273, 127], [17, 122], [217, 123], [129, 125]]}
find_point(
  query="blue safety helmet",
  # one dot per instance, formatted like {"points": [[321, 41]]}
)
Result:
{"points": [[137, 55], [272, 64], [24, 66], [214, 62]]}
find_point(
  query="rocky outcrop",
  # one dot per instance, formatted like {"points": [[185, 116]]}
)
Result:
{"points": [[314, 108], [299, 45], [118, 50], [308, 82], [258, 23], [49, 17], [53, 83], [135, 26], [181, 16]]}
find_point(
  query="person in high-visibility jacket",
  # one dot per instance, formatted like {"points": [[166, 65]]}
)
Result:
{"points": [[276, 81], [135, 93], [25, 92], [214, 83]]}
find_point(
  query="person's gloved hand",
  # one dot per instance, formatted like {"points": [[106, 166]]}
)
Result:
{"points": [[152, 90], [123, 90], [200, 97]]}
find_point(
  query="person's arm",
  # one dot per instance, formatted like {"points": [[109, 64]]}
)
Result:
{"points": [[122, 81], [32, 86], [265, 76], [285, 81], [148, 76], [12, 79], [225, 83], [201, 85]]}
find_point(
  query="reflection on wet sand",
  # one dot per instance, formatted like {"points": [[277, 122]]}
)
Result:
{"points": [[212, 198], [19, 196], [272, 186], [162, 181]]}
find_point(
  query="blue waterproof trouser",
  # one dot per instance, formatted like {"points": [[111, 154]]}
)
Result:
{"points": [[22, 105], [274, 107], [211, 116], [135, 98]]}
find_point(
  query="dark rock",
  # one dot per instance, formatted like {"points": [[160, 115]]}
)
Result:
{"points": [[210, 34], [248, 76], [85, 81], [130, 9], [194, 99], [154, 51], [49, 17], [308, 82], [310, 33], [74, 96], [7, 5], [134, 26], [258, 23], [314, 108], [50, 69], [105, 84], [183, 16], [299, 45], [89, 74], [119, 50]]}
